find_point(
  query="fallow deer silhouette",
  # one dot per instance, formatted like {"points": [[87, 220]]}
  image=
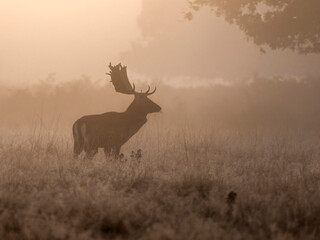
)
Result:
{"points": [[112, 129]]}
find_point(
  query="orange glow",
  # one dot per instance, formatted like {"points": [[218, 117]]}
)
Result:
{"points": [[67, 37]]}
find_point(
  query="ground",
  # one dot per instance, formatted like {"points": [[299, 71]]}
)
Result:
{"points": [[177, 189]]}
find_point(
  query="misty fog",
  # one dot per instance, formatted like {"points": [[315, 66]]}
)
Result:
{"points": [[227, 147], [152, 37]]}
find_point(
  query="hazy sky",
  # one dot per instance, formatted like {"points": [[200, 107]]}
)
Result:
{"points": [[79, 37], [68, 37]]}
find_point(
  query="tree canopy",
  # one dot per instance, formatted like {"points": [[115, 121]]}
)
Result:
{"points": [[279, 24]]}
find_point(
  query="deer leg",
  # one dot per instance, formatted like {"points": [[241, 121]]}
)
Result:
{"points": [[91, 153], [78, 142], [116, 151], [77, 149], [107, 151]]}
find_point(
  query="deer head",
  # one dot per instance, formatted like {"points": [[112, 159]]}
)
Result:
{"points": [[141, 103]]}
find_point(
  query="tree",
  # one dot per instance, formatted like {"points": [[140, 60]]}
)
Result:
{"points": [[279, 24]]}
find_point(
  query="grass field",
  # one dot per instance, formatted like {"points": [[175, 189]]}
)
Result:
{"points": [[178, 189]]}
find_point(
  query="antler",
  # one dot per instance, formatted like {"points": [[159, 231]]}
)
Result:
{"points": [[147, 92], [119, 79], [155, 89]]}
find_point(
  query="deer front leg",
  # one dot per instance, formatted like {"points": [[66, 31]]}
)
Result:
{"points": [[107, 151], [115, 151], [112, 151]]}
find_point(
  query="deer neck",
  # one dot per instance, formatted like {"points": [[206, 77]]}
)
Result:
{"points": [[135, 111]]}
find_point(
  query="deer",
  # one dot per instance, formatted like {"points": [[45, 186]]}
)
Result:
{"points": [[111, 130]]}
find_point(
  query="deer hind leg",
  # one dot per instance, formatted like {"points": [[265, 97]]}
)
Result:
{"points": [[91, 153], [88, 143], [78, 142], [77, 149]]}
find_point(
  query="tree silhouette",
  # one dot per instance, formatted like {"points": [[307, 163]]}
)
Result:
{"points": [[279, 24]]}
